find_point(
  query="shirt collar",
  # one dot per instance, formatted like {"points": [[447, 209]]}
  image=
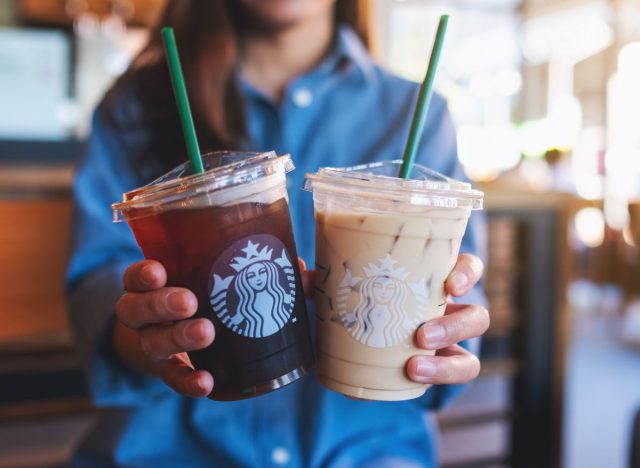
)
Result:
{"points": [[349, 48], [348, 51]]}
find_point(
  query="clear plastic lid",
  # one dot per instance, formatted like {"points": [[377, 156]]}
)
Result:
{"points": [[381, 181], [224, 170]]}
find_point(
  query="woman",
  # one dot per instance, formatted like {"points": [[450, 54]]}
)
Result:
{"points": [[285, 75]]}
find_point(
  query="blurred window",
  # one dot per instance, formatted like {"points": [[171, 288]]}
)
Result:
{"points": [[35, 83]]}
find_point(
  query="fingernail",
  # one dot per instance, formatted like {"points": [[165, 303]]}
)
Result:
{"points": [[426, 368], [433, 333], [195, 384], [176, 302], [458, 280], [192, 332], [147, 276]]}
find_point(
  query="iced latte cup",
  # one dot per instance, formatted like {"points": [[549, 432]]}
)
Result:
{"points": [[384, 248]]}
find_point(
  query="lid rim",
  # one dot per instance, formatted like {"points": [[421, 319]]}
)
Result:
{"points": [[254, 168], [363, 180], [355, 170], [332, 181], [223, 177]]}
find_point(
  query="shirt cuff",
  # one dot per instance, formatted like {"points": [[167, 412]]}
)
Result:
{"points": [[92, 313]]}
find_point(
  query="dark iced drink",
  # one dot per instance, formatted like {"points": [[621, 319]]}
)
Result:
{"points": [[226, 235]]}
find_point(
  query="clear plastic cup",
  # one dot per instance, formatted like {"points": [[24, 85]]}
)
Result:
{"points": [[226, 235], [384, 248]]}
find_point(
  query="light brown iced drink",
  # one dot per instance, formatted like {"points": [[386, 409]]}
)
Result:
{"points": [[384, 248]]}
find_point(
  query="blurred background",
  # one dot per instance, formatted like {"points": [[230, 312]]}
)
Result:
{"points": [[546, 98]]}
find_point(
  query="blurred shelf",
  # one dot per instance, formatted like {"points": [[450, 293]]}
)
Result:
{"points": [[34, 181], [33, 381], [28, 388], [48, 441], [33, 360], [501, 327], [507, 366], [16, 343], [487, 397], [447, 422], [45, 409], [512, 197], [34, 248], [37, 362], [54, 12], [476, 445]]}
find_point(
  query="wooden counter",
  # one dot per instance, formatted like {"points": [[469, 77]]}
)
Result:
{"points": [[19, 180], [35, 214], [39, 371], [34, 246]]}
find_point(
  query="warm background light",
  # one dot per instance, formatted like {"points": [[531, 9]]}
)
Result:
{"points": [[589, 226]]}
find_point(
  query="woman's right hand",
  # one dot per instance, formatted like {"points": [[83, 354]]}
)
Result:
{"points": [[154, 329]]}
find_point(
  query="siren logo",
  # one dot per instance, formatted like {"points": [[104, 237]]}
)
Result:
{"points": [[252, 286], [381, 309]]}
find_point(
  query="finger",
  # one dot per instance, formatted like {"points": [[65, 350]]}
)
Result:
{"points": [[465, 275], [302, 265], [308, 283], [182, 378], [454, 365], [146, 275], [163, 341], [459, 323], [137, 309]]}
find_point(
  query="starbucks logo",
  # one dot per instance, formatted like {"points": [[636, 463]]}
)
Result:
{"points": [[381, 309], [252, 286]]}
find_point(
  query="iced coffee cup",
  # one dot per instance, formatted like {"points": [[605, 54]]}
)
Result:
{"points": [[226, 235], [384, 248]]}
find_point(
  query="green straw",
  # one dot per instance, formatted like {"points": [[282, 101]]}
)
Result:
{"points": [[180, 92], [424, 99]]}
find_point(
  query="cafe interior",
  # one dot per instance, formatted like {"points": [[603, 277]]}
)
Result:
{"points": [[545, 97]]}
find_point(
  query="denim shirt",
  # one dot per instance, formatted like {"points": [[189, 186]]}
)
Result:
{"points": [[346, 111]]}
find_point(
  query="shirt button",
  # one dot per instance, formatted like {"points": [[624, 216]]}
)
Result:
{"points": [[302, 97], [280, 456]]}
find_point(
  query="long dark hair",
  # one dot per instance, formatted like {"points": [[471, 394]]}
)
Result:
{"points": [[207, 33]]}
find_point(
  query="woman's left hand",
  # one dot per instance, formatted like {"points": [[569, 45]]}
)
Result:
{"points": [[452, 364]]}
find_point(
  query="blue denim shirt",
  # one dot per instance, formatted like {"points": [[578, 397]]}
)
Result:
{"points": [[346, 111]]}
